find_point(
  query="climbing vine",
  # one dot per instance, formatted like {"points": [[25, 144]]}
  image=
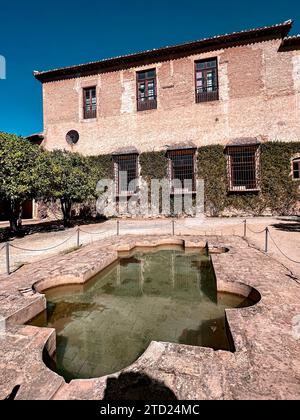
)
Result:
{"points": [[153, 165], [279, 192]]}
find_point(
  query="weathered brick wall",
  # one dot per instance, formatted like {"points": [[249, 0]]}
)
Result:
{"points": [[259, 96]]}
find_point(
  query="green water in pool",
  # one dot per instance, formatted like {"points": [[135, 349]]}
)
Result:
{"points": [[164, 295]]}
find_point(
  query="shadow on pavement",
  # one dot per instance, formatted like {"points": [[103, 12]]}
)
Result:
{"points": [[287, 227], [137, 386]]}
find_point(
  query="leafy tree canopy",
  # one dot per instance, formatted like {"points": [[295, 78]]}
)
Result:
{"points": [[19, 168], [70, 177], [71, 180]]}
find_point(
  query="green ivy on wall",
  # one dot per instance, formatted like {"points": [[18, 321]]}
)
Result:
{"points": [[154, 165], [101, 167], [212, 169], [279, 192]]}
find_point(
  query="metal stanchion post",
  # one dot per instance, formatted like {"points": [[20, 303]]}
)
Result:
{"points": [[118, 227], [173, 227], [245, 228], [78, 237], [7, 258], [266, 239]]}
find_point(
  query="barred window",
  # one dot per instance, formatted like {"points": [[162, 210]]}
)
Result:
{"points": [[296, 168], [146, 90], [182, 168], [126, 173], [89, 103], [243, 168], [206, 75]]}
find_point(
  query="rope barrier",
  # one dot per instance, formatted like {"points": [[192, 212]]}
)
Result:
{"points": [[255, 231], [294, 261], [267, 230], [173, 222], [91, 233], [44, 249], [204, 227]]}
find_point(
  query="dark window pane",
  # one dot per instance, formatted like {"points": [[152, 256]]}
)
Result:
{"points": [[206, 81], [151, 74], [296, 169], [146, 95], [201, 65], [90, 103], [212, 63]]}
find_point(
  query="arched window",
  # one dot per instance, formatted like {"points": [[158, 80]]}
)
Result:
{"points": [[296, 168]]}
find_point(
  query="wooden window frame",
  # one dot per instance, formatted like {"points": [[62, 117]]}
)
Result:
{"points": [[171, 154], [231, 171], [206, 96], [296, 161], [116, 163], [89, 113], [147, 104]]}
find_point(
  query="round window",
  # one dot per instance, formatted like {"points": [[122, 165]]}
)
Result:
{"points": [[72, 137]]}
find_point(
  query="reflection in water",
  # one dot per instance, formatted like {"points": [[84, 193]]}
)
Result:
{"points": [[163, 295]]}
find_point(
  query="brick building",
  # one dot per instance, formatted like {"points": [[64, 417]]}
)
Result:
{"points": [[239, 91]]}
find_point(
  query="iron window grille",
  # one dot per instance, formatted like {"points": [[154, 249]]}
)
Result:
{"points": [[296, 169], [126, 174], [182, 168], [89, 103], [243, 164], [146, 90], [206, 78]]}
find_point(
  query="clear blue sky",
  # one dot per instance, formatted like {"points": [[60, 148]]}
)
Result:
{"points": [[40, 35]]}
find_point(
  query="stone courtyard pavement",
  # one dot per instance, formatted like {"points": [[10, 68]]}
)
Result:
{"points": [[266, 336], [284, 231]]}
